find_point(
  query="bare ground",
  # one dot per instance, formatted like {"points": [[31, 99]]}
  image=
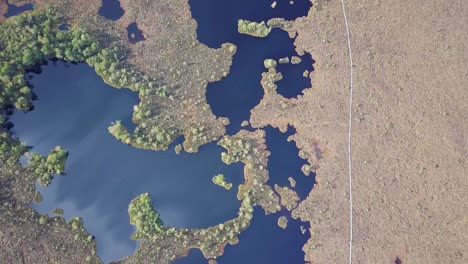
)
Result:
{"points": [[409, 131]]}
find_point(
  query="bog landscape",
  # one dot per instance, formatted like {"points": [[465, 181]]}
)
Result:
{"points": [[249, 131]]}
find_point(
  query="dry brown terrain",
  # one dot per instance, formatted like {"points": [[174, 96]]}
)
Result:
{"points": [[409, 145]]}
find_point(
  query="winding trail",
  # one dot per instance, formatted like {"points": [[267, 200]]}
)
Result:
{"points": [[350, 121]]}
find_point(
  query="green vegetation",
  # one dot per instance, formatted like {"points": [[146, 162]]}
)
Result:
{"points": [[238, 149], [277, 23], [31, 39], [306, 169], [178, 149], [269, 63], [120, 132], [42, 219], [255, 29], [45, 167], [76, 223], [283, 222], [157, 138], [58, 211], [142, 215], [11, 149], [220, 181], [296, 60], [284, 60], [292, 182]]}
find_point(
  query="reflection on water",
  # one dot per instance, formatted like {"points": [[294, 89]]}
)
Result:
{"points": [[103, 175]]}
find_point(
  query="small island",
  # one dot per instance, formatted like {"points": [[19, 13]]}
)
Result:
{"points": [[220, 181], [254, 29], [283, 222]]}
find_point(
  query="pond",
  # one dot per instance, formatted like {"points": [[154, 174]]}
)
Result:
{"points": [[73, 110], [111, 9], [134, 34], [14, 10]]}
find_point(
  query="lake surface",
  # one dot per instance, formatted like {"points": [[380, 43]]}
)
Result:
{"points": [[75, 107], [73, 110]]}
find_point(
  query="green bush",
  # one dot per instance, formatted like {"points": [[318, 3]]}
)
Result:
{"points": [[142, 215]]}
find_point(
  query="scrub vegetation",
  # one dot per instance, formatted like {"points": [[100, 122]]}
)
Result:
{"points": [[283, 222], [46, 167], [31, 39], [220, 181], [254, 29], [289, 198], [147, 221]]}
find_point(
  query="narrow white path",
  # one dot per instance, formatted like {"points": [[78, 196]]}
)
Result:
{"points": [[350, 121]]}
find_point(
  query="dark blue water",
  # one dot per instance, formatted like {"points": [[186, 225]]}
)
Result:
{"points": [[263, 242], [235, 95], [293, 81], [217, 20], [238, 93], [73, 110], [134, 34], [64, 27], [111, 9], [195, 256], [284, 162], [16, 10]]}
